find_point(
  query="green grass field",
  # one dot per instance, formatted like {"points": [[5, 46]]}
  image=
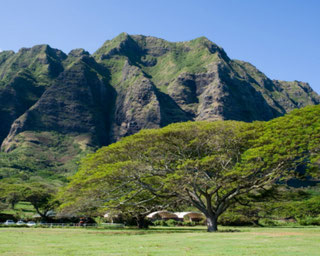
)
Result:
{"points": [[23, 209], [162, 241]]}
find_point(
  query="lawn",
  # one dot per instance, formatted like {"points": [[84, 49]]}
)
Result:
{"points": [[24, 209], [162, 241]]}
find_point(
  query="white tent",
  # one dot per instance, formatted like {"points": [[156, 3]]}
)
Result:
{"points": [[193, 216], [164, 215]]}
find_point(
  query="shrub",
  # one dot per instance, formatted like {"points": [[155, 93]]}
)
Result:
{"points": [[268, 222], [160, 223], [202, 222], [188, 223], [172, 223], [236, 220], [308, 220]]}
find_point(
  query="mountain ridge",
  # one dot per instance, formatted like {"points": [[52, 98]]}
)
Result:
{"points": [[131, 82]]}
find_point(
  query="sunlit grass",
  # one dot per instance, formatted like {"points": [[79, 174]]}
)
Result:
{"points": [[160, 241]]}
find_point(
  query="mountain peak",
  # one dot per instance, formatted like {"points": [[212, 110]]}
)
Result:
{"points": [[78, 52], [132, 82]]}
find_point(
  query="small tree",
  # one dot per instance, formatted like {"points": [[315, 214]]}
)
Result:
{"points": [[14, 194], [11, 191], [42, 197]]}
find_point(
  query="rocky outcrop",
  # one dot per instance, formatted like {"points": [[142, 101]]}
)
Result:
{"points": [[131, 83], [15, 99], [77, 103]]}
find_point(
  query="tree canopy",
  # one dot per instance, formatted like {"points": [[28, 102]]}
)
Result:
{"points": [[209, 165], [39, 193]]}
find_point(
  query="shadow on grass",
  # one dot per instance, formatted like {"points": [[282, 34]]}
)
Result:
{"points": [[181, 229], [158, 230], [289, 226]]}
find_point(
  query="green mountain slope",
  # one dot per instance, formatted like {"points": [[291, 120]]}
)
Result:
{"points": [[56, 107]]}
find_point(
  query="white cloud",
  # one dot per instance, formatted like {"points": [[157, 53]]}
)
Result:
{"points": [[0, 50]]}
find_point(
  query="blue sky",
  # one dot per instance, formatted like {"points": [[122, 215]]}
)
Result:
{"points": [[280, 37]]}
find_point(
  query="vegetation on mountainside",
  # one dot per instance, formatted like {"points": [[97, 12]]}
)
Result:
{"points": [[131, 83], [43, 61], [162, 63], [47, 154]]}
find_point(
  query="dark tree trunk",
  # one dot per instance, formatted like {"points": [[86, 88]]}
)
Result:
{"points": [[43, 215], [212, 223], [256, 223], [142, 222]]}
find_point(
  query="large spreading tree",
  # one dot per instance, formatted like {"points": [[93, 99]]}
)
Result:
{"points": [[209, 165]]}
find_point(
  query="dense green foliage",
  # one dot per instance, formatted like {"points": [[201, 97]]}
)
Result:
{"points": [[52, 156], [209, 165], [37, 192], [294, 138]]}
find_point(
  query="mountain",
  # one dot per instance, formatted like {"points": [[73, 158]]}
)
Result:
{"points": [[55, 108]]}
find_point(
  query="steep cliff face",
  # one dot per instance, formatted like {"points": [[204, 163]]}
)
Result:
{"points": [[72, 111], [280, 95], [83, 101], [196, 79], [24, 76], [137, 107], [74, 104], [15, 98]]}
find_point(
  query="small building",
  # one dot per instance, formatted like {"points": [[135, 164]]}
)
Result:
{"points": [[190, 216], [113, 218], [162, 215], [49, 214]]}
